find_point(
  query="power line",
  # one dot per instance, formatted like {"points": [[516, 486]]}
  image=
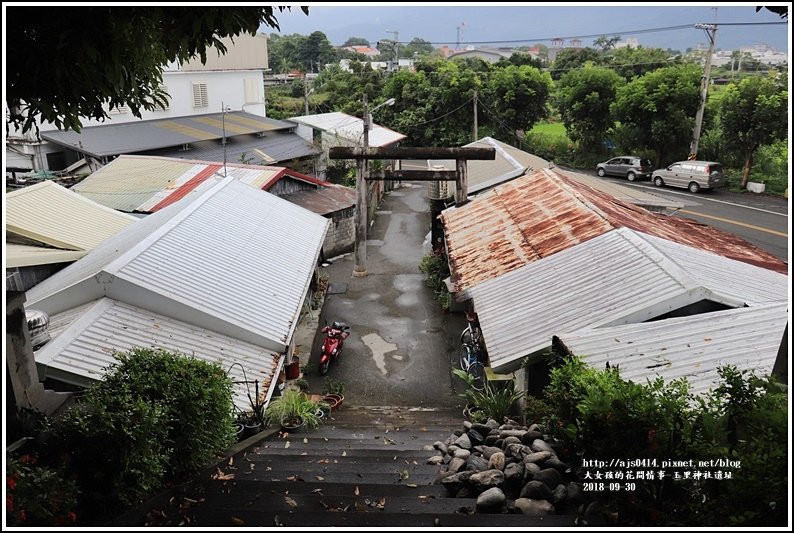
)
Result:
{"points": [[626, 32]]}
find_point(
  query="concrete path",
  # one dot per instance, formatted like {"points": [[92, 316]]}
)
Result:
{"points": [[402, 345]]}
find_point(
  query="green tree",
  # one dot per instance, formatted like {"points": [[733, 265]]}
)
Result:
{"points": [[284, 52], [572, 58], [418, 47], [64, 63], [316, 51], [605, 43], [753, 112], [518, 96], [343, 91], [356, 41], [583, 99], [656, 111], [630, 62], [433, 105]]}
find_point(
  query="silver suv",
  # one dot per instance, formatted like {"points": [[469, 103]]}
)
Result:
{"points": [[630, 167], [692, 175]]}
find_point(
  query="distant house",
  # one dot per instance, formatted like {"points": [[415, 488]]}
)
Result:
{"points": [[340, 129], [233, 81], [490, 55], [363, 50], [231, 136]]}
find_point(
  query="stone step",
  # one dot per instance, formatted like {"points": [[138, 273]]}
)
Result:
{"points": [[394, 477], [250, 517], [259, 497], [352, 457], [341, 444]]}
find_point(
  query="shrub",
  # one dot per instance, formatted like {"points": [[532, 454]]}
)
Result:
{"points": [[293, 404], [114, 445], [491, 402], [37, 495], [156, 413], [744, 419], [333, 386], [436, 269], [196, 398]]}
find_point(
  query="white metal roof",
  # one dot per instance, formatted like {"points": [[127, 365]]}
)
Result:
{"points": [[724, 277], [84, 344], [689, 347], [55, 216], [616, 278], [350, 128], [235, 260]]}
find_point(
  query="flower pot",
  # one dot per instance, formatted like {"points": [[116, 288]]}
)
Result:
{"points": [[252, 428], [240, 428], [291, 424], [293, 370], [334, 400]]}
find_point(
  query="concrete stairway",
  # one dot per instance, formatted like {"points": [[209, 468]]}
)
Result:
{"points": [[364, 467]]}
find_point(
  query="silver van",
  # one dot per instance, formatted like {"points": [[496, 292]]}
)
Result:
{"points": [[692, 175]]}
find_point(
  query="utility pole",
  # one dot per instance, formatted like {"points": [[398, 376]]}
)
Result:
{"points": [[711, 33], [224, 109], [474, 130], [360, 267], [305, 95], [396, 48]]}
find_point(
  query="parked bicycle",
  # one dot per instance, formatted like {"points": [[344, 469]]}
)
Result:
{"points": [[470, 351]]}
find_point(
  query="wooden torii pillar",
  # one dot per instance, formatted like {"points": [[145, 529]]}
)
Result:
{"points": [[460, 155]]}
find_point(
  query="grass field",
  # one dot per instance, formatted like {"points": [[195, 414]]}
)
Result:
{"points": [[556, 128]]}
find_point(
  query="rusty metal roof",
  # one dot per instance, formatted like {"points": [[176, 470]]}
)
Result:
{"points": [[544, 212], [324, 200]]}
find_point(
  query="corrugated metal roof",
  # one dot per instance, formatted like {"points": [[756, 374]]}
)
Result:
{"points": [[690, 347], [626, 194], [234, 260], [21, 255], [86, 341], [132, 137], [750, 284], [324, 200], [277, 146], [350, 128], [543, 213], [55, 216], [512, 162], [147, 183], [615, 278]]}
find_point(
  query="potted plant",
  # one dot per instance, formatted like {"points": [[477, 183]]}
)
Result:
{"points": [[293, 409], [332, 392]]}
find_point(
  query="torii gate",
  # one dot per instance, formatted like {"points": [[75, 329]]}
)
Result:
{"points": [[361, 155]]}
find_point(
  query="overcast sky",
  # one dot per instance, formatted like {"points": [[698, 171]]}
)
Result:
{"points": [[530, 23]]}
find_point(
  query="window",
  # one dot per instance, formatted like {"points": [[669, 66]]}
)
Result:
{"points": [[200, 98], [118, 110], [253, 90]]}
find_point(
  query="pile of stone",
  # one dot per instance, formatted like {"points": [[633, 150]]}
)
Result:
{"points": [[508, 468]]}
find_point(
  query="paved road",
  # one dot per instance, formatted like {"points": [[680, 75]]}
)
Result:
{"points": [[760, 219], [401, 345]]}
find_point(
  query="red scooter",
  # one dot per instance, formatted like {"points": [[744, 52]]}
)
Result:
{"points": [[335, 336]]}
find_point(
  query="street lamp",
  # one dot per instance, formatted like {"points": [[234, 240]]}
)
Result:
{"points": [[360, 267]]}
